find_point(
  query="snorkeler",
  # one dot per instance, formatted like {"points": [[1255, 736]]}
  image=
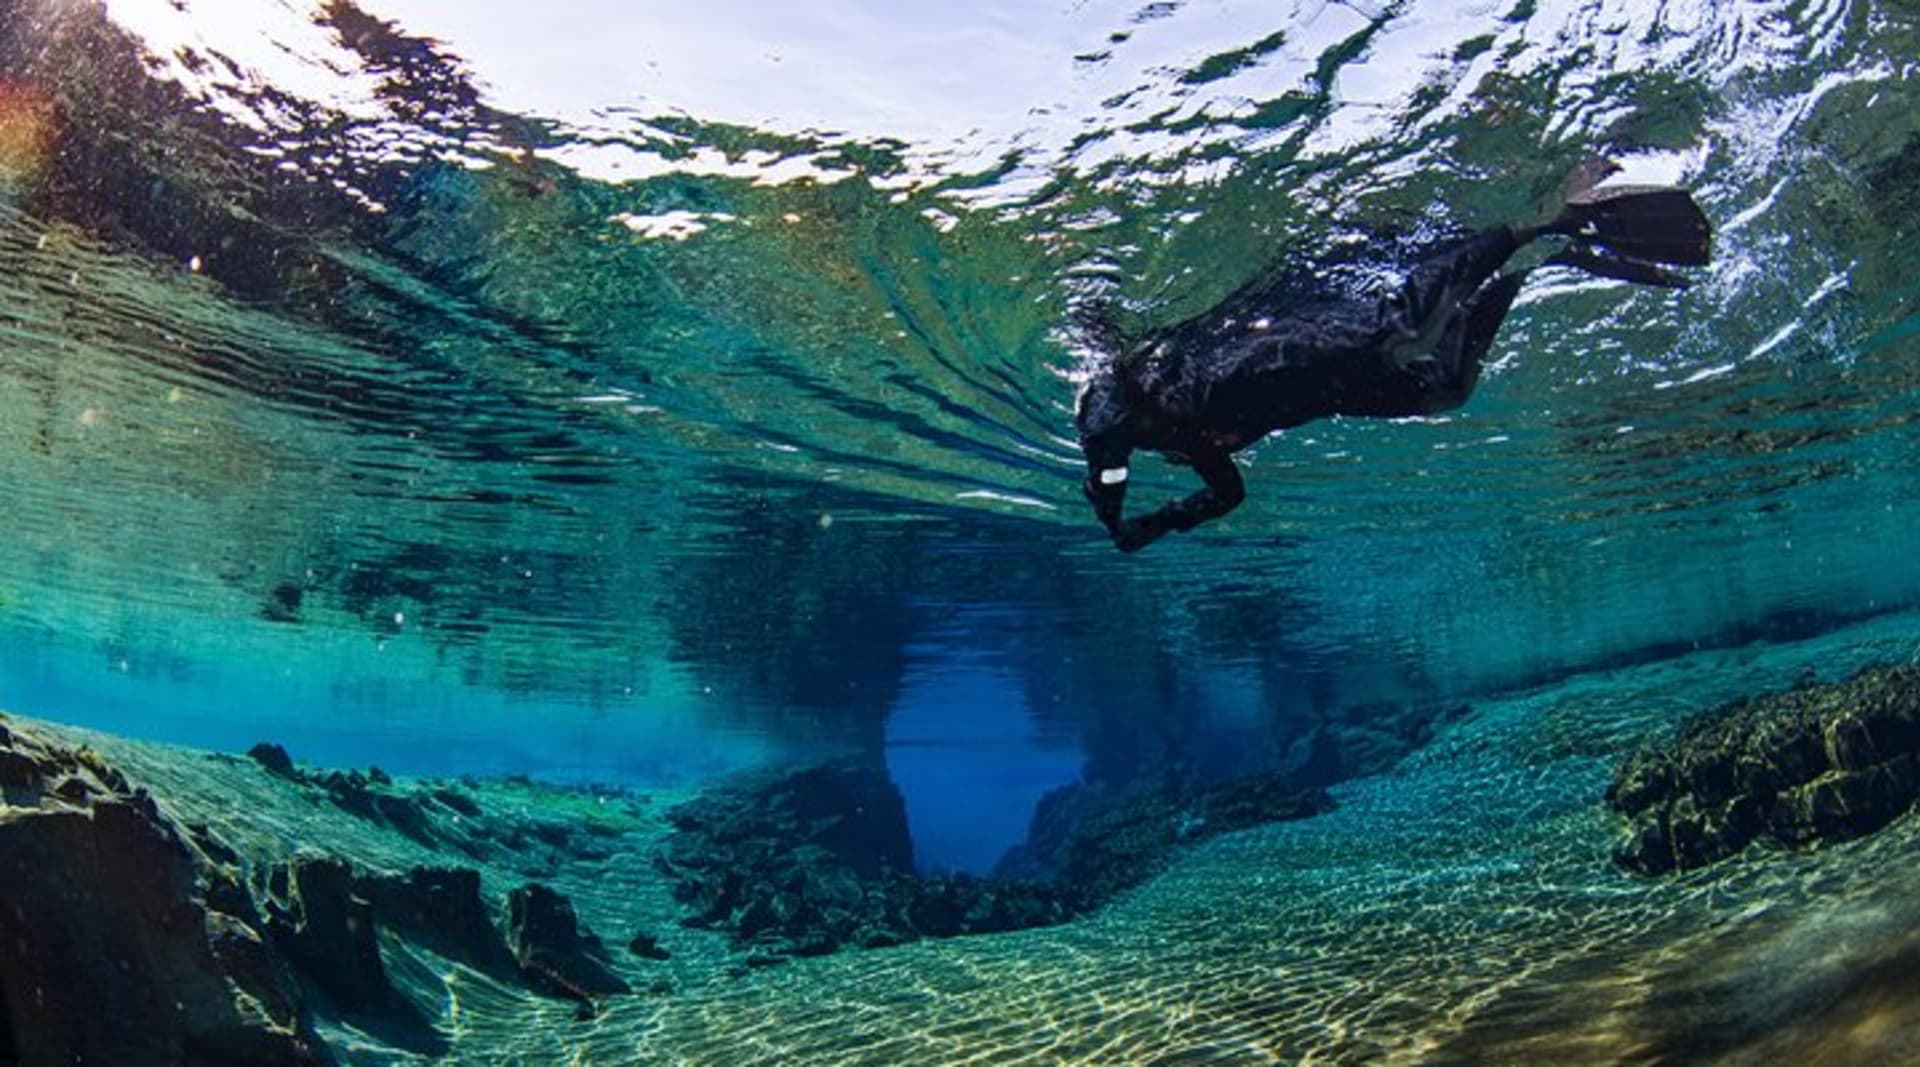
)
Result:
{"points": [[1205, 388]]}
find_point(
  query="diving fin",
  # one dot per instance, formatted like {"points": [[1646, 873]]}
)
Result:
{"points": [[1644, 223], [1597, 261]]}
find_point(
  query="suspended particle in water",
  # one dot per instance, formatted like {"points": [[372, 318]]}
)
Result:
{"points": [[194, 264], [826, 520]]}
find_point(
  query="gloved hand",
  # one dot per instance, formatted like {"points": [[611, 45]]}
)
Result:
{"points": [[1137, 533]]}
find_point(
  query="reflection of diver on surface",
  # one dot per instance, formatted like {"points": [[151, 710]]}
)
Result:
{"points": [[1207, 387]]}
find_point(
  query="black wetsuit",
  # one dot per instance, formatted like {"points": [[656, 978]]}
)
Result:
{"points": [[1215, 384]]}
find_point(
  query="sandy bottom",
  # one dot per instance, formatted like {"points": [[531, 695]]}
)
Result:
{"points": [[1460, 910]]}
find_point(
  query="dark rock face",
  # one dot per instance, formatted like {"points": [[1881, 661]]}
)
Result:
{"points": [[440, 908], [802, 863], [851, 811], [327, 931], [648, 947], [1818, 763], [9, 1048], [139, 942], [551, 948], [111, 930], [815, 860], [274, 760]]}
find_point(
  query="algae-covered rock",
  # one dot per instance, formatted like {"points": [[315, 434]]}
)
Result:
{"points": [[648, 947], [113, 949], [850, 810], [1817, 763]]}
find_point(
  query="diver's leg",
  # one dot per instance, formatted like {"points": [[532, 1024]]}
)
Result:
{"points": [[1468, 338], [1439, 284]]}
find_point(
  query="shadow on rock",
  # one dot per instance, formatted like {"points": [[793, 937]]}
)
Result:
{"points": [[327, 931]]}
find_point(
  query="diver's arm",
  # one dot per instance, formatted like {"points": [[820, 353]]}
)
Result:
{"points": [[1106, 484], [1223, 492]]}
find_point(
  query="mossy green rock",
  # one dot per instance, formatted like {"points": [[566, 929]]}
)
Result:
{"points": [[1813, 764]]}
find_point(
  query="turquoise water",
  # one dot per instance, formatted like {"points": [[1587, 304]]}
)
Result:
{"points": [[638, 395]]}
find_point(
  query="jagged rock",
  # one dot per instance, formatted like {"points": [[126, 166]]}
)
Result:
{"points": [[111, 948], [369, 796], [551, 948], [457, 801], [648, 947], [440, 908], [327, 930], [851, 810], [1816, 763], [796, 862], [274, 760]]}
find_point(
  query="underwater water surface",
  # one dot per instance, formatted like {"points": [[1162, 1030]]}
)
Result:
{"points": [[621, 398]]}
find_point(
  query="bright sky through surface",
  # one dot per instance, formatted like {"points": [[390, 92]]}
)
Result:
{"points": [[962, 84]]}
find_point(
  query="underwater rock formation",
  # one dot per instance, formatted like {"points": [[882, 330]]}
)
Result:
{"points": [[1095, 843], [438, 816], [126, 937], [553, 950], [274, 760], [849, 810], [440, 909], [121, 940], [807, 862], [803, 863], [1817, 763]]}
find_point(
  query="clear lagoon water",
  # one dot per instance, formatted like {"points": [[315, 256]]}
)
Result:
{"points": [[639, 394]]}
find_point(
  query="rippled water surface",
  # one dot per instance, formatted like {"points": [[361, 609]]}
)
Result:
{"points": [[700, 371]]}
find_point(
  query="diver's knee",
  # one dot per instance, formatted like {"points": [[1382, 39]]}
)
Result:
{"points": [[1232, 496]]}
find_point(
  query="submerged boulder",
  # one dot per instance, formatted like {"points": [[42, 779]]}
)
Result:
{"points": [[553, 949], [847, 809], [1817, 763], [120, 940], [440, 909], [327, 930]]}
